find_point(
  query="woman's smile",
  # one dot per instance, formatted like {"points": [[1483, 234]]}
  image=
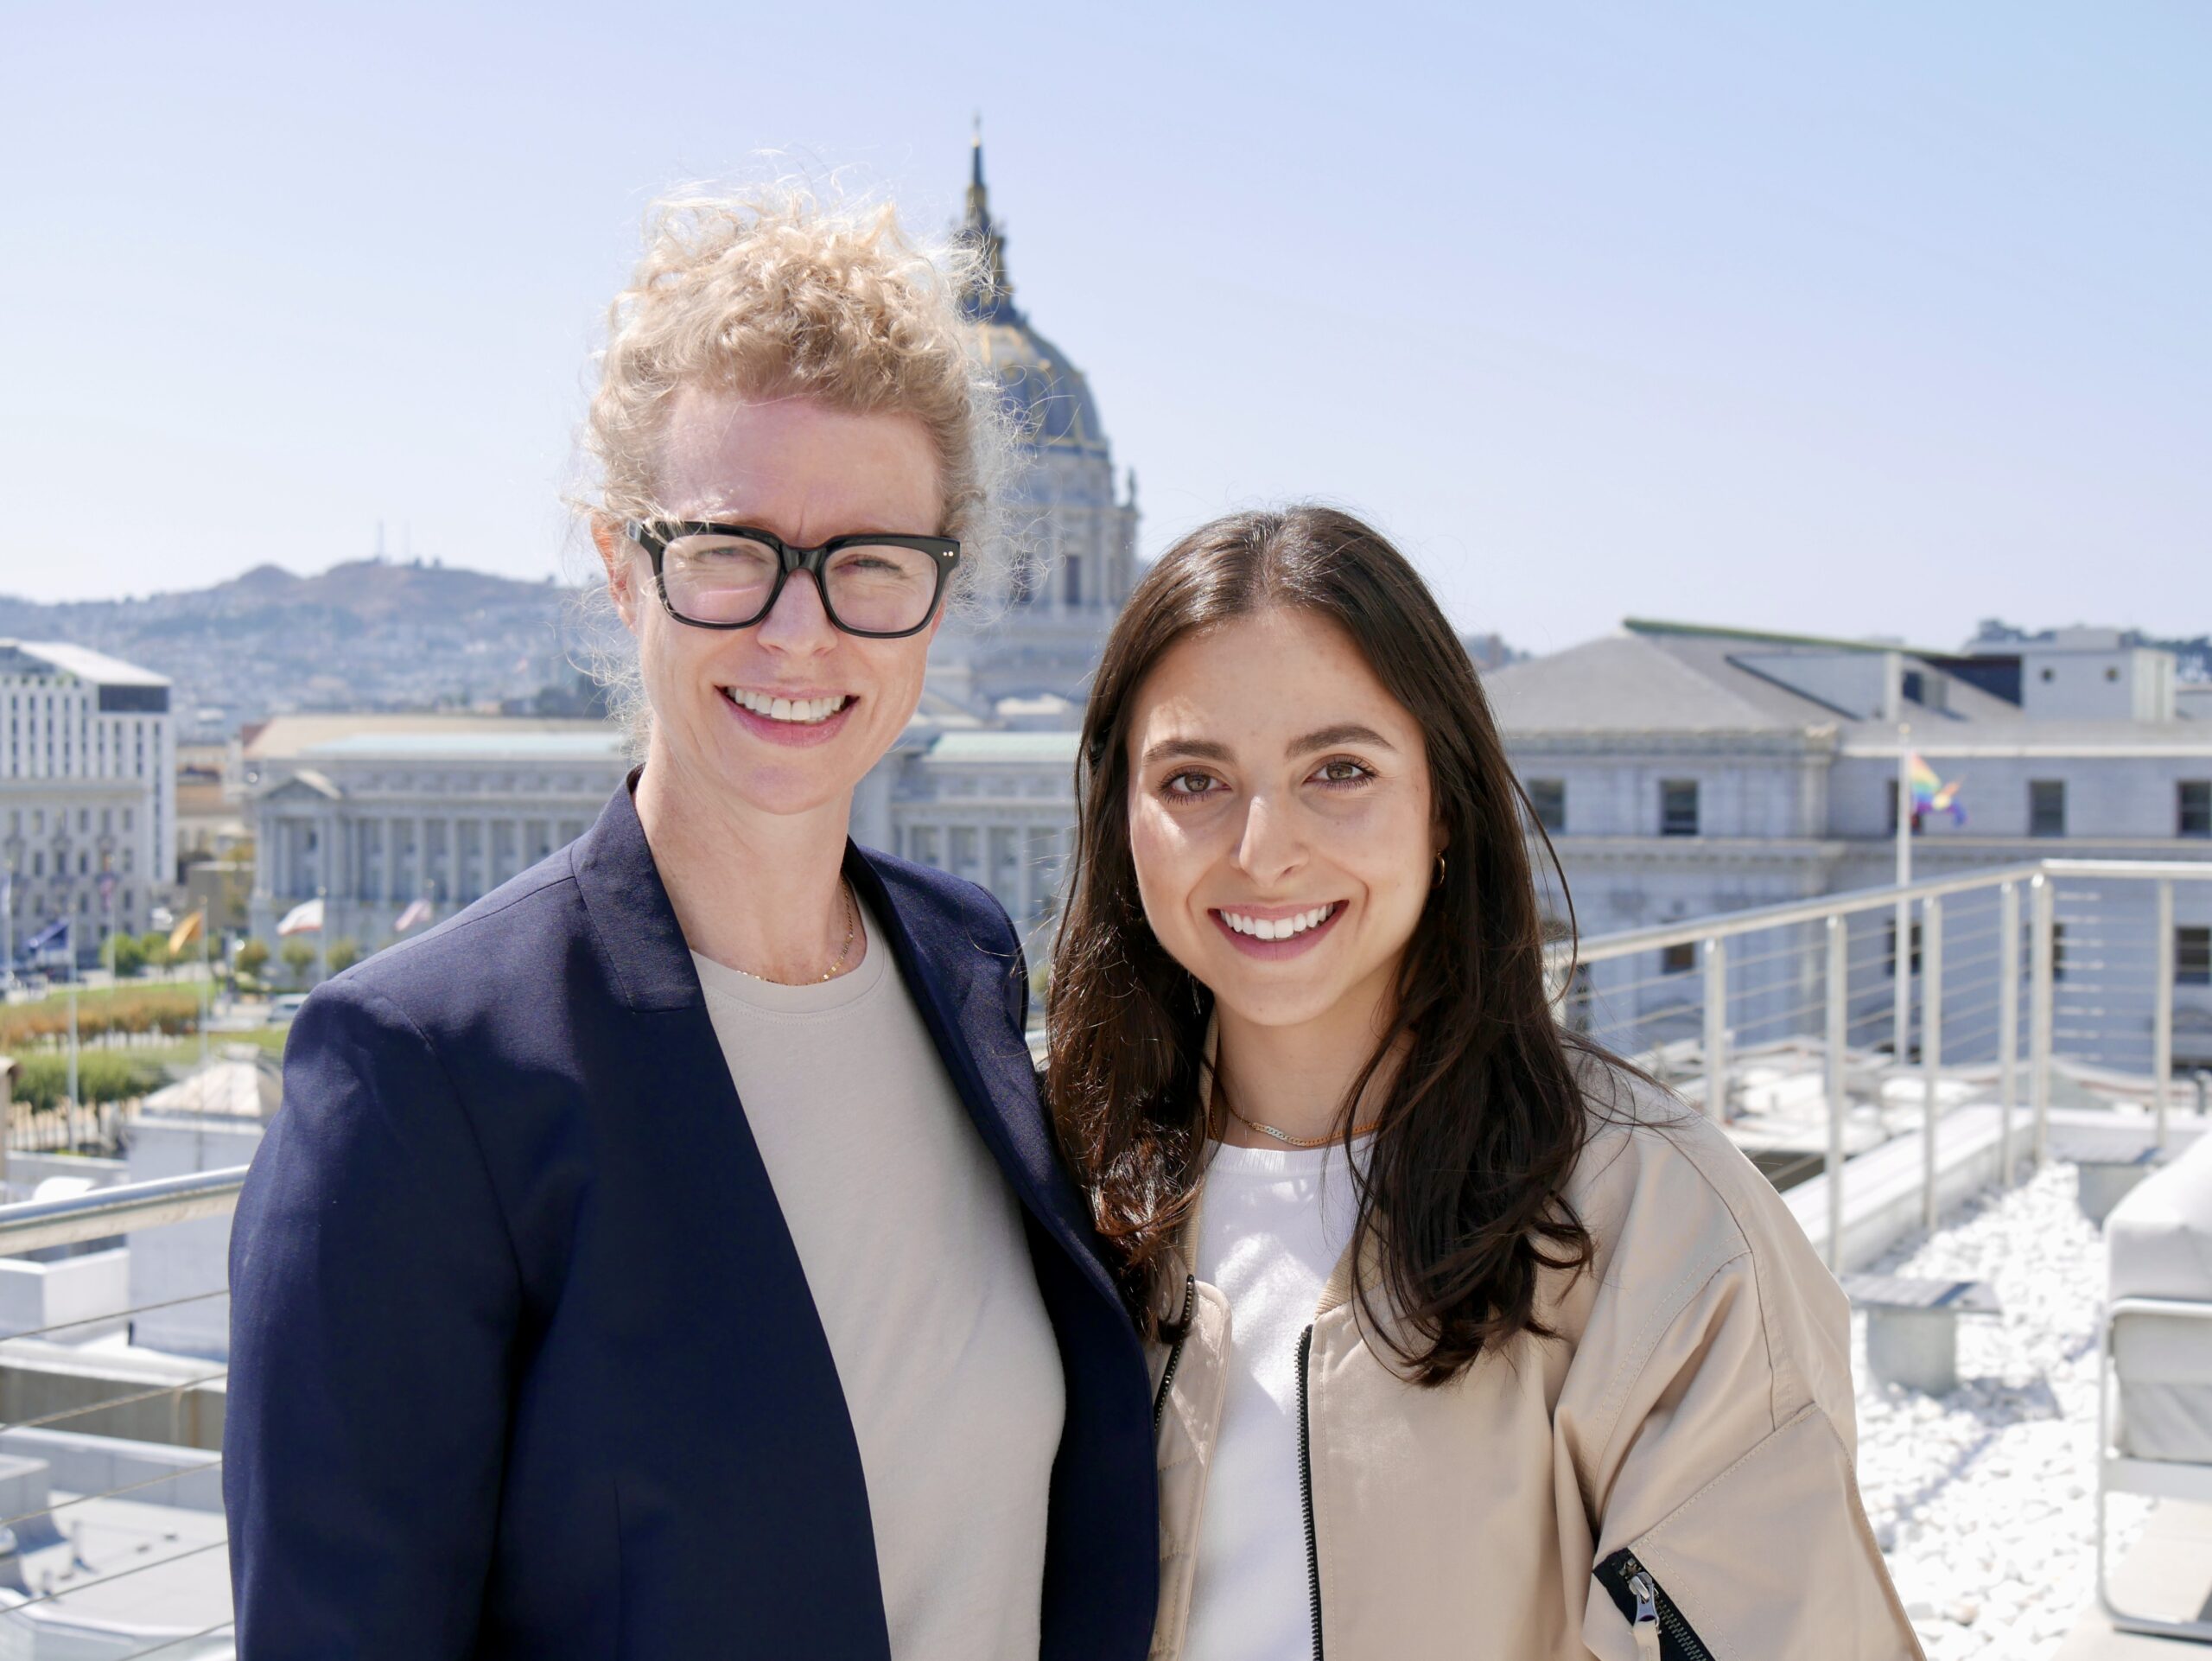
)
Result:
{"points": [[1273, 932], [798, 720]]}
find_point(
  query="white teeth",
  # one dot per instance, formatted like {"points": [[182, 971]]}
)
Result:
{"points": [[803, 712], [1277, 928]]}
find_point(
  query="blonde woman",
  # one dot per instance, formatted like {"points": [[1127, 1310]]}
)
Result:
{"points": [[666, 1256], [1468, 1341]]}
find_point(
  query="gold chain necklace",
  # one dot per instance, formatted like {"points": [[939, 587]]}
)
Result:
{"points": [[852, 928], [1284, 1137]]}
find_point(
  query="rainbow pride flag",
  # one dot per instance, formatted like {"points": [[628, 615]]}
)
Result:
{"points": [[1931, 795]]}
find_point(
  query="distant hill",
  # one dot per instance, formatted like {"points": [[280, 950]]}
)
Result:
{"points": [[367, 634]]}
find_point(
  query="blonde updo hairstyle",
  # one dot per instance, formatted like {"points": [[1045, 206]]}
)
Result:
{"points": [[778, 293]]}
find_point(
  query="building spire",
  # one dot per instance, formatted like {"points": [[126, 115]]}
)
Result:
{"points": [[992, 295]]}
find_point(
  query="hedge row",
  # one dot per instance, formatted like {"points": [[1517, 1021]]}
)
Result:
{"points": [[102, 1075], [172, 1011]]}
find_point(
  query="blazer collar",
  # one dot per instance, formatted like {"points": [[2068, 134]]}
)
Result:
{"points": [[959, 984], [630, 910]]}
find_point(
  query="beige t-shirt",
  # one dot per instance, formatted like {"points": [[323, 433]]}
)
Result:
{"points": [[914, 1249]]}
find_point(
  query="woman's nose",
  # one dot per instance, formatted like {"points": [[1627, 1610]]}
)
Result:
{"points": [[1270, 847], [797, 621]]}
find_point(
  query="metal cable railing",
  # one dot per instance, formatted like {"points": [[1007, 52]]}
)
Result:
{"points": [[99, 1214], [2019, 966]]}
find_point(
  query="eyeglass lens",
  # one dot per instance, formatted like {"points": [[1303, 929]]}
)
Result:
{"points": [[877, 589]]}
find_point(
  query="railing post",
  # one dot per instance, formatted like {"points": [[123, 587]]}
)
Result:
{"points": [[2039, 1013], [2162, 1010], [2008, 1024], [1716, 1029], [1839, 1033], [1901, 1018], [1931, 1050]]}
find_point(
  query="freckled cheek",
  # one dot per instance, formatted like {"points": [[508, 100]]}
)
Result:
{"points": [[1167, 864]]}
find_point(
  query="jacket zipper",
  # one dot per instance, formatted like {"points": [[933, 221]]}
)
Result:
{"points": [[1660, 1629], [1175, 1353], [1305, 1486]]}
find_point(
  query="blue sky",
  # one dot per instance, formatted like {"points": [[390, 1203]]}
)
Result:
{"points": [[1868, 319]]}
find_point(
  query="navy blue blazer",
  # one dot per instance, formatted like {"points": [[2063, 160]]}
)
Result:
{"points": [[522, 1362]]}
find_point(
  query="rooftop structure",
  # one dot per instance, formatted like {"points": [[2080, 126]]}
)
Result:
{"points": [[87, 793]]}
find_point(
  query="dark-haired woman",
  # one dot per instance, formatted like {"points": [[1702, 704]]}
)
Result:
{"points": [[1469, 1342]]}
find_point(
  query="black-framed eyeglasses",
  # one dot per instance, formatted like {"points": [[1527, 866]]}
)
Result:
{"points": [[882, 585]]}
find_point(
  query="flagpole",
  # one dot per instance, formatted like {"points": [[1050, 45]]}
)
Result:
{"points": [[1900, 1031], [205, 991], [69, 934]]}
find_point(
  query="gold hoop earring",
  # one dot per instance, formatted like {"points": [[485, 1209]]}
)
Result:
{"points": [[1436, 881]]}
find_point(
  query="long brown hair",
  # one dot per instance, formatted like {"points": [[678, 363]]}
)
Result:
{"points": [[1481, 1125]]}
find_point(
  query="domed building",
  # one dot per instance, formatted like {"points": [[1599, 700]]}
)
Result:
{"points": [[1075, 539], [980, 783]]}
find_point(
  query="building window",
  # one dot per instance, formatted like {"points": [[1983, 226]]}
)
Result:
{"points": [[1580, 996], [1074, 567], [2057, 949], [1549, 798], [1679, 959], [1889, 949], [1678, 807], [2193, 955], [1890, 825], [2047, 807], [2193, 808]]}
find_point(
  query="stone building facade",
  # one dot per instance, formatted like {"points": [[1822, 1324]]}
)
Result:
{"points": [[88, 792]]}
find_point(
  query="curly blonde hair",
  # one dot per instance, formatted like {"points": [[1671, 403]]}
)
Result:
{"points": [[778, 293]]}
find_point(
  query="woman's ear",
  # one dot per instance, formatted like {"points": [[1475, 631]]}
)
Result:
{"points": [[614, 552]]}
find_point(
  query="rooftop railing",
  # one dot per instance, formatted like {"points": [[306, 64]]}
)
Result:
{"points": [[1782, 1020], [112, 1541]]}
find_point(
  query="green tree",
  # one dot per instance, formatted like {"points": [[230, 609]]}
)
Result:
{"points": [[129, 955], [297, 956], [155, 942], [345, 952], [252, 959]]}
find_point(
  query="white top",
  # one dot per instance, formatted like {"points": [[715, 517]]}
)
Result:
{"points": [[1272, 1224], [913, 1248]]}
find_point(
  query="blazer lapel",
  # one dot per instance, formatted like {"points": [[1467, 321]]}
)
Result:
{"points": [[960, 985], [783, 1433]]}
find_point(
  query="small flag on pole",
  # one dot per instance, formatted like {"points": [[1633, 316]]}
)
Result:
{"points": [[302, 920], [187, 932], [1931, 795], [49, 936], [414, 917]]}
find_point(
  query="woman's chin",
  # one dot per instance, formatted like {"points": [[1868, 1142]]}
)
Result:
{"points": [[1272, 1005]]}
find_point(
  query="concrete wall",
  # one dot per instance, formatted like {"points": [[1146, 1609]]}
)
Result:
{"points": [[185, 1260], [88, 1294]]}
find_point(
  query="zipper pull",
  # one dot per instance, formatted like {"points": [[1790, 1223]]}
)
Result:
{"points": [[1646, 1613]]}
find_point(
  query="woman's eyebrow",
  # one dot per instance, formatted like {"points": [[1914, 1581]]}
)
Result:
{"points": [[1349, 732], [1198, 749]]}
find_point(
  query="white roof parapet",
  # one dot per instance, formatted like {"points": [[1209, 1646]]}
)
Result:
{"points": [[87, 664]]}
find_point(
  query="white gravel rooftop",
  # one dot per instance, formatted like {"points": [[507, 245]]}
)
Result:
{"points": [[1984, 1499]]}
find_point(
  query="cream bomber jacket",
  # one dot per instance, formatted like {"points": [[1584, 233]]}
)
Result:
{"points": [[1669, 1478]]}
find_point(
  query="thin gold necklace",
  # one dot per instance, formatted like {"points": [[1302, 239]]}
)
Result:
{"points": [[852, 928], [1284, 1137]]}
